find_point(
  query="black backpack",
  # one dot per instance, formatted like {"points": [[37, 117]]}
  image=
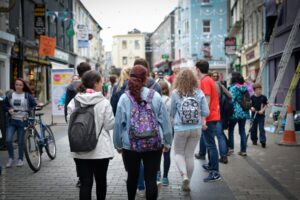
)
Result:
{"points": [[82, 129], [226, 107], [246, 101]]}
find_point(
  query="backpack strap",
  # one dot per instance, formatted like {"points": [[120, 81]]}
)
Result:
{"points": [[77, 103], [150, 96]]}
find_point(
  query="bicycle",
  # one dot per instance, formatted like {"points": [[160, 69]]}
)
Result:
{"points": [[35, 141]]}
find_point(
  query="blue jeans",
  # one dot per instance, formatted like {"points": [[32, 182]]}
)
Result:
{"points": [[223, 150], [260, 122], [141, 181], [242, 132], [15, 125], [209, 140]]}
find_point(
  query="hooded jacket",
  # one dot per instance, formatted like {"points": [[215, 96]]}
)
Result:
{"points": [[103, 117]]}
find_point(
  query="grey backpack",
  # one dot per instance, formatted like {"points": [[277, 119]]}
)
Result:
{"points": [[189, 111], [82, 129]]}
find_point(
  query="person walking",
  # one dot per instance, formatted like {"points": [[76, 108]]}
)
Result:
{"points": [[143, 131], [94, 164], [18, 104], [223, 95], [165, 90], [71, 92], [259, 105], [188, 108], [119, 88], [210, 124], [240, 114]]}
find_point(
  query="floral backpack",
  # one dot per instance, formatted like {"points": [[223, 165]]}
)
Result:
{"points": [[144, 129]]}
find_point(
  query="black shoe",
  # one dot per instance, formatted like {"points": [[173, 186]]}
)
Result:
{"points": [[242, 153], [223, 159], [78, 184], [254, 142], [206, 167], [199, 156], [263, 145]]}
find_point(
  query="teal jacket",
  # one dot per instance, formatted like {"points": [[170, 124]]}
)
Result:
{"points": [[236, 92]]}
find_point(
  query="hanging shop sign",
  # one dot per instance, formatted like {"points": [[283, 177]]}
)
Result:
{"points": [[47, 46], [230, 45], [39, 20], [82, 36]]}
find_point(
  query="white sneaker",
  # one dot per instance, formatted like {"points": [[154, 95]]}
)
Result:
{"points": [[141, 193], [20, 163], [185, 184], [9, 163]]}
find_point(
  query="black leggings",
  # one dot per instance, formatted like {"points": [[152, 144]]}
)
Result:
{"points": [[151, 161], [87, 170], [167, 163]]}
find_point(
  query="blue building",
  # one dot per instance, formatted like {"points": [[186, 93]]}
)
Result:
{"points": [[200, 29]]}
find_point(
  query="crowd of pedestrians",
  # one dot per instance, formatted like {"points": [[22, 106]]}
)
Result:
{"points": [[149, 117]]}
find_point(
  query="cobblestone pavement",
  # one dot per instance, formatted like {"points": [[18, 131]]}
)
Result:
{"points": [[271, 173]]}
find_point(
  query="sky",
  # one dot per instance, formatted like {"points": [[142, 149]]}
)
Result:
{"points": [[120, 16]]}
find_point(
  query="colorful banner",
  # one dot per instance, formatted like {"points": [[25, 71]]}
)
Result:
{"points": [[47, 46], [60, 79]]}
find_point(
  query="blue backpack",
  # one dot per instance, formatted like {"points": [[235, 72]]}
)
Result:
{"points": [[144, 128]]}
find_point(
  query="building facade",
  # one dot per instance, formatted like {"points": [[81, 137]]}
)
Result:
{"points": [[25, 60], [162, 42], [87, 40], [127, 48], [200, 29], [286, 21], [6, 42], [253, 38], [236, 31]]}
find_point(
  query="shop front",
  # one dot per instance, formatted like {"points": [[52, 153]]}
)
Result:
{"points": [[32, 68]]}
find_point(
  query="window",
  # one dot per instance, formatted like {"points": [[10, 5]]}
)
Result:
{"points": [[137, 44], [124, 44], [206, 50], [186, 27], [206, 26], [124, 60]]}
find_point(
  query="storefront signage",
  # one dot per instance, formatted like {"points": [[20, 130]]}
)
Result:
{"points": [[47, 46], [39, 20], [230, 45], [250, 55], [60, 79], [82, 36], [61, 55]]}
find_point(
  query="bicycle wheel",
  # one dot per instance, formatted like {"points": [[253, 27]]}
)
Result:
{"points": [[32, 151], [50, 144]]}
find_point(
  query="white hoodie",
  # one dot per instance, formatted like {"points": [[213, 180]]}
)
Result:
{"points": [[103, 117]]}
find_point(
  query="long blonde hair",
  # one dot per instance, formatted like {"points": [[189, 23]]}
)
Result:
{"points": [[123, 77], [186, 82]]}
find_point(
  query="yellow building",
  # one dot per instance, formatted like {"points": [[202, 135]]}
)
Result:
{"points": [[127, 48]]}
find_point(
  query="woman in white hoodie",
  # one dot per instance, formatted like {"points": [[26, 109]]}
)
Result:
{"points": [[94, 164]]}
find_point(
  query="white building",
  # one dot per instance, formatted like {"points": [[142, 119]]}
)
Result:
{"points": [[87, 40], [127, 48]]}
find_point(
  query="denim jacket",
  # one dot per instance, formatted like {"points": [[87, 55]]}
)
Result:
{"points": [[176, 101], [122, 118]]}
